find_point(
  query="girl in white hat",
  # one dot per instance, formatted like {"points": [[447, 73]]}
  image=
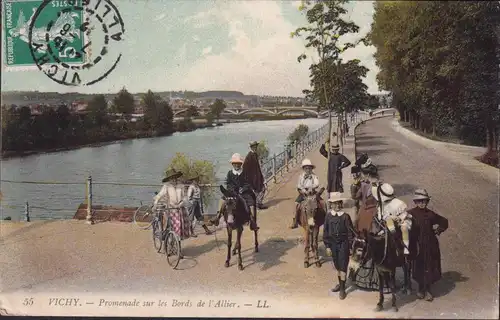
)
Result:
{"points": [[428, 224], [307, 180], [338, 236], [392, 210], [236, 183]]}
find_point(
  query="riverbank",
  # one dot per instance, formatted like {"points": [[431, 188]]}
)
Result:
{"points": [[195, 124]]}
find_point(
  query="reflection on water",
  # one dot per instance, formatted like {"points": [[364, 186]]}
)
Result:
{"points": [[132, 161]]}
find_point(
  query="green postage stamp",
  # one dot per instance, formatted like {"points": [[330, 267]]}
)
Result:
{"points": [[17, 16]]}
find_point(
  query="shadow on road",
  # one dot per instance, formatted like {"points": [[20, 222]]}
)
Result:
{"points": [[404, 189], [270, 253], [375, 152], [369, 142], [274, 202], [382, 167], [447, 283]]}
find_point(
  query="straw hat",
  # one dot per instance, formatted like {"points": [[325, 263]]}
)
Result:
{"points": [[335, 147], [421, 194], [254, 143], [236, 158], [336, 197], [307, 163], [171, 174], [386, 192]]}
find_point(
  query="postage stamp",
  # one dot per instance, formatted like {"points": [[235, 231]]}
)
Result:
{"points": [[18, 15]]}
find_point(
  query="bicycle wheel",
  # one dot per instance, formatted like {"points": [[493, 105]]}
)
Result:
{"points": [[142, 217], [173, 249], [157, 234]]}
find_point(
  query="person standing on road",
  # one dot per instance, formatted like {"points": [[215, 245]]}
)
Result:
{"points": [[253, 174], [336, 162], [428, 225], [338, 236], [195, 205]]}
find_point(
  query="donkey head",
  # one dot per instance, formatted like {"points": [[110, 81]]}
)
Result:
{"points": [[231, 206]]}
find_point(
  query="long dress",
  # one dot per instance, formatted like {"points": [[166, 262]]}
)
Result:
{"points": [[427, 264], [336, 163], [173, 196]]}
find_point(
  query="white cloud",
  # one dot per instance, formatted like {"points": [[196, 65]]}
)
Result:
{"points": [[268, 64], [206, 50]]}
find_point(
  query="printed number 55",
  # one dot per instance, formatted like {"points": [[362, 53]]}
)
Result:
{"points": [[28, 302], [68, 52]]}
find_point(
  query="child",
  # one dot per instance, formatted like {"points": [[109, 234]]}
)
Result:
{"points": [[428, 224], [338, 236], [307, 180], [195, 205]]}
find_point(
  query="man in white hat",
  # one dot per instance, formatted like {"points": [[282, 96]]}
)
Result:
{"points": [[393, 211], [307, 181], [427, 265], [338, 235], [238, 185]]}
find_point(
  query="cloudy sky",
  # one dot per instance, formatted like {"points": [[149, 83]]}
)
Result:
{"points": [[209, 45]]}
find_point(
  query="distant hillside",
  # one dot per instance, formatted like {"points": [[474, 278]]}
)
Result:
{"points": [[53, 98]]}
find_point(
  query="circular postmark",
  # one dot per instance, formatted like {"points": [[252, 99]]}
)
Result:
{"points": [[71, 41]]}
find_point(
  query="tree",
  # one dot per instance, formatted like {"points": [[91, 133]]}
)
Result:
{"points": [[124, 103], [323, 33], [217, 108], [97, 111], [298, 133], [262, 150], [192, 111], [189, 167], [440, 61], [158, 115]]}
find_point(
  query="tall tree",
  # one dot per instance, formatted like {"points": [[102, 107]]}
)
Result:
{"points": [[326, 26], [97, 110], [217, 108], [124, 103]]}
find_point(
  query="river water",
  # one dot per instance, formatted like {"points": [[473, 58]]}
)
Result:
{"points": [[140, 161]]}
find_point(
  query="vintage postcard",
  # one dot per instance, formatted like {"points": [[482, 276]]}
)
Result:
{"points": [[291, 159]]}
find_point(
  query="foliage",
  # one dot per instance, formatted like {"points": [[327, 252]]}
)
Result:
{"points": [[158, 115], [186, 124], [189, 167], [298, 133], [98, 110], [124, 103], [217, 108], [336, 85], [192, 111], [440, 60], [262, 150]]}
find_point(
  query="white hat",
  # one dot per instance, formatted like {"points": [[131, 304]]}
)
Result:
{"points": [[336, 196], [236, 158], [421, 194], [307, 162], [386, 192]]}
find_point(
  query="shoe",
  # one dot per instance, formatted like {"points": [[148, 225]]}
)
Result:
{"points": [[342, 293], [262, 207], [337, 287], [207, 231], [420, 295], [428, 296], [194, 235]]}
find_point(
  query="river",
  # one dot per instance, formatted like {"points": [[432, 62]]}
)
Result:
{"points": [[131, 161]]}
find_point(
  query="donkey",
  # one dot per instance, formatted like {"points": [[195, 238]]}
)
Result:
{"points": [[236, 216], [312, 217]]}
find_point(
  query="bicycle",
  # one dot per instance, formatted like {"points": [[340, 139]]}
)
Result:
{"points": [[142, 214]]}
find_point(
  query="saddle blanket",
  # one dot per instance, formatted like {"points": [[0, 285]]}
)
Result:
{"points": [[180, 223]]}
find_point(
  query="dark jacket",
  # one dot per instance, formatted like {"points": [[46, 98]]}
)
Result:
{"points": [[235, 182], [336, 163], [252, 171]]}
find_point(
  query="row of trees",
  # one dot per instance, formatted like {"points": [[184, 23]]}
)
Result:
{"points": [[336, 84], [440, 60], [59, 128]]}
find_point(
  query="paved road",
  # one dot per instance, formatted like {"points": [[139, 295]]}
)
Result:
{"points": [[470, 246]]}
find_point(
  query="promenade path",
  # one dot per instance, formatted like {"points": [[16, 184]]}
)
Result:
{"points": [[70, 259]]}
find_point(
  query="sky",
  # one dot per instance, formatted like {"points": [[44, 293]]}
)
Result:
{"points": [[209, 45]]}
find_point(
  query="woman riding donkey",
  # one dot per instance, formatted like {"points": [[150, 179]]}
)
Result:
{"points": [[239, 186], [427, 226]]}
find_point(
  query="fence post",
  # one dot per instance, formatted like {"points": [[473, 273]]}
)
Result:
{"points": [[89, 218], [274, 167], [296, 147], [286, 158], [27, 212]]}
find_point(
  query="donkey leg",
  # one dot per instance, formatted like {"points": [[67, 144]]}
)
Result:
{"points": [[240, 261], [380, 304], [306, 247], [392, 283], [407, 277], [315, 246], [229, 243], [256, 232]]}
